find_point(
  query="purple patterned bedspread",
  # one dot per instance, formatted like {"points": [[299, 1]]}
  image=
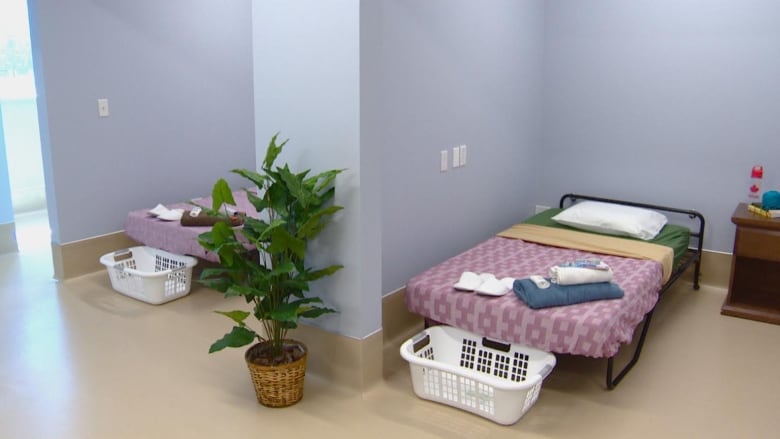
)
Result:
{"points": [[171, 235], [593, 329]]}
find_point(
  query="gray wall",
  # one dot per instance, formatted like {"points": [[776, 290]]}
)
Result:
{"points": [[178, 76], [452, 73], [666, 101]]}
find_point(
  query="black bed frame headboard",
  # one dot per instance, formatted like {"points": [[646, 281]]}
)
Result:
{"points": [[697, 232], [693, 257]]}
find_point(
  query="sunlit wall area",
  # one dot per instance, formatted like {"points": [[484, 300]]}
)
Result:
{"points": [[7, 238], [19, 111]]}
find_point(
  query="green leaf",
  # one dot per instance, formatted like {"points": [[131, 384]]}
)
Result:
{"points": [[237, 316], [278, 198], [305, 309], [295, 286], [222, 278], [325, 179], [256, 178], [207, 241], [317, 274], [239, 336], [220, 284], [314, 312], [275, 224], [287, 312], [222, 241], [221, 194], [288, 325], [244, 291], [259, 203], [311, 227], [272, 152], [327, 196], [284, 268], [254, 230], [282, 241], [222, 272], [295, 186]]}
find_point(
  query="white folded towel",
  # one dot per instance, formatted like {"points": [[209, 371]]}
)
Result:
{"points": [[578, 275], [484, 283]]}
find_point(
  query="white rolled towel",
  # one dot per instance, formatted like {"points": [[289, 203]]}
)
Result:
{"points": [[579, 275]]}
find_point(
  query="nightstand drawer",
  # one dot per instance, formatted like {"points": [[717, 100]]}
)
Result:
{"points": [[758, 244]]}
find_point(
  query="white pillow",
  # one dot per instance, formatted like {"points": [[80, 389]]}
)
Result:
{"points": [[613, 219]]}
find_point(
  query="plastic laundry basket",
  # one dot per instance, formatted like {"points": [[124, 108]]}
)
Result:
{"points": [[148, 274], [496, 380]]}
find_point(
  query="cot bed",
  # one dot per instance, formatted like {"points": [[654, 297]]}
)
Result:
{"points": [[595, 329], [171, 235]]}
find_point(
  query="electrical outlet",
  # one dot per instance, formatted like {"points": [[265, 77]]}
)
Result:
{"points": [[462, 149], [540, 208], [443, 164], [455, 157]]}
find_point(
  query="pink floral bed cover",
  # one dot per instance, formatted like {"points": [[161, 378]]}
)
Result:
{"points": [[593, 329]]}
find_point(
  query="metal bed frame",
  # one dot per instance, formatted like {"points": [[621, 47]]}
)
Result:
{"points": [[692, 257]]}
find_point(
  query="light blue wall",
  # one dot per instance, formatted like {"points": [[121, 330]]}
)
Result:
{"points": [[178, 76], [665, 101], [307, 86], [23, 149], [550, 97], [454, 72]]}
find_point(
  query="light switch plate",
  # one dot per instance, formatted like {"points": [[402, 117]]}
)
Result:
{"points": [[103, 107]]}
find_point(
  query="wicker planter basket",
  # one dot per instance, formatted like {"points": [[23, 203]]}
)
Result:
{"points": [[278, 386]]}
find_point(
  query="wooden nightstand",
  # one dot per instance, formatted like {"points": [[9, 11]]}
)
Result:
{"points": [[754, 287]]}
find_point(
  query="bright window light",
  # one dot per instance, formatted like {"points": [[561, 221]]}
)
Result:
{"points": [[16, 68]]}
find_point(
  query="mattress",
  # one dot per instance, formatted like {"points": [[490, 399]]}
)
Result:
{"points": [[672, 235], [593, 329], [171, 235]]}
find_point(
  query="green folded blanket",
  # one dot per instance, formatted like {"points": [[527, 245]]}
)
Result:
{"points": [[559, 295]]}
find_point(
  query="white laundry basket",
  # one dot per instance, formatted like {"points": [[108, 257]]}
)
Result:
{"points": [[496, 380], [148, 274]]}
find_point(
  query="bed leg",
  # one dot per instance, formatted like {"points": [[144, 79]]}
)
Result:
{"points": [[611, 383], [696, 271], [428, 322]]}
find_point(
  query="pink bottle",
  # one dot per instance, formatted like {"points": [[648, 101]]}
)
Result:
{"points": [[756, 175]]}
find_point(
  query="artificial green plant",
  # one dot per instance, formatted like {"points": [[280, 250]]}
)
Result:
{"points": [[272, 276]]}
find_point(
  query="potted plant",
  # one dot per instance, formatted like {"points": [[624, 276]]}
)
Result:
{"points": [[268, 269]]}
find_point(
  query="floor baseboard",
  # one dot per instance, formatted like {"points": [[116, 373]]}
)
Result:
{"points": [[78, 258]]}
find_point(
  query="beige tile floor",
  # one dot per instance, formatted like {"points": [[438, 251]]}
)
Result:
{"points": [[78, 360]]}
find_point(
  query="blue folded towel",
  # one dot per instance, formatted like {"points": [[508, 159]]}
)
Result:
{"points": [[558, 295]]}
